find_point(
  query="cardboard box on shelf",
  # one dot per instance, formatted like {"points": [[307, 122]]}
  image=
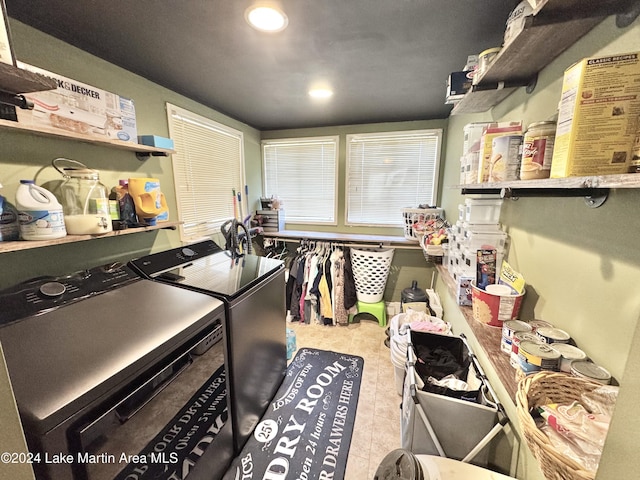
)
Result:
{"points": [[598, 116], [156, 141], [80, 108], [458, 84]]}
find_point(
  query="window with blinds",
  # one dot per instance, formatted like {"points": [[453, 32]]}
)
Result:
{"points": [[387, 172], [302, 173], [207, 167]]}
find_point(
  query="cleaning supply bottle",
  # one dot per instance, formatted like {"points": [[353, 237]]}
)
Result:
{"points": [[125, 203], [39, 213], [9, 226], [150, 203]]}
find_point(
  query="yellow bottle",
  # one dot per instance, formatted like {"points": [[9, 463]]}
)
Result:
{"points": [[151, 205]]}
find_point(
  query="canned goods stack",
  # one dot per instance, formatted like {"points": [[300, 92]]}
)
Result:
{"points": [[537, 345]]}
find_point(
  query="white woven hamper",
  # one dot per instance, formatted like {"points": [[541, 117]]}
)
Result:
{"points": [[370, 272]]}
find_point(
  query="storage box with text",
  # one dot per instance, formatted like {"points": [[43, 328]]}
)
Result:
{"points": [[598, 115], [81, 109]]}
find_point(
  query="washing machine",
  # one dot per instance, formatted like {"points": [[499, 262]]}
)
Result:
{"points": [[401, 464]]}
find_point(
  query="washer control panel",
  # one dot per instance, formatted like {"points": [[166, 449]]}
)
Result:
{"points": [[41, 294]]}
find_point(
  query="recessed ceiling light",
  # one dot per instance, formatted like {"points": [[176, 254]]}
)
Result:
{"points": [[266, 18], [320, 93]]}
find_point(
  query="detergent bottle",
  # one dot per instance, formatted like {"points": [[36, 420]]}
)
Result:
{"points": [[151, 205], [39, 213], [9, 226]]}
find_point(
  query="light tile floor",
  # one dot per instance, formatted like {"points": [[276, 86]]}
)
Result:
{"points": [[377, 426]]}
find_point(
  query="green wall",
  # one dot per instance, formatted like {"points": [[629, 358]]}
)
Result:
{"points": [[581, 264], [23, 155]]}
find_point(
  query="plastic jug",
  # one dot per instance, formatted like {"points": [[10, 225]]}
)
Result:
{"points": [[39, 214], [414, 298], [9, 226], [151, 205], [84, 199]]}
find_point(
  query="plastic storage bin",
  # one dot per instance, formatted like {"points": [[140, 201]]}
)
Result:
{"points": [[482, 210], [415, 218]]}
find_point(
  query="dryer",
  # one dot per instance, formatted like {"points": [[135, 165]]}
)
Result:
{"points": [[253, 291]]}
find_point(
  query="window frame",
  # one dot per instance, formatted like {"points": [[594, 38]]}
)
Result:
{"points": [[438, 133], [335, 139], [213, 226]]}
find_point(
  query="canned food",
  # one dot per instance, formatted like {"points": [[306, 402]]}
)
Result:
{"points": [[537, 150], [553, 335], [506, 152], [569, 353], [519, 337], [508, 329], [534, 357], [588, 369], [536, 324]]}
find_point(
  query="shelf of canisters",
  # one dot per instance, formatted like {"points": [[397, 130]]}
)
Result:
{"points": [[28, 244], [489, 339]]}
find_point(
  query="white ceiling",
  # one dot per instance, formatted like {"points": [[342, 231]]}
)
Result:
{"points": [[386, 60]]}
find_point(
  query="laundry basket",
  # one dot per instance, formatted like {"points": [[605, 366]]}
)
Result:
{"points": [[441, 422], [370, 272]]}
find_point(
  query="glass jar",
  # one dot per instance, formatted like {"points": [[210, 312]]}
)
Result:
{"points": [[85, 201], [537, 150]]}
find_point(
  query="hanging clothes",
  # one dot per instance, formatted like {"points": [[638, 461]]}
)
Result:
{"points": [[340, 314], [350, 296]]}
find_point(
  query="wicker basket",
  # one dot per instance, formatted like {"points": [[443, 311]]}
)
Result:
{"points": [[543, 388]]}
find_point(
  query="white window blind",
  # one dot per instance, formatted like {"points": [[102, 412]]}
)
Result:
{"points": [[207, 166], [387, 172], [302, 173]]}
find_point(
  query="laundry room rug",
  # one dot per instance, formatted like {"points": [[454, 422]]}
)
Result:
{"points": [[306, 431], [202, 416]]}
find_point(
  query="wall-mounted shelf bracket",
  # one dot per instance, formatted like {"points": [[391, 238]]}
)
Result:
{"points": [[593, 197], [531, 86], [142, 156], [625, 19]]}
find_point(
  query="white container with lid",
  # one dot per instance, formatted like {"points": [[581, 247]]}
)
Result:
{"points": [[485, 59], [516, 21], [482, 210], [39, 212]]}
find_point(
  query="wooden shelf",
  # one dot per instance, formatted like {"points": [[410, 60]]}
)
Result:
{"points": [[553, 27], [15, 80], [489, 339], [626, 180], [56, 133], [28, 244]]}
